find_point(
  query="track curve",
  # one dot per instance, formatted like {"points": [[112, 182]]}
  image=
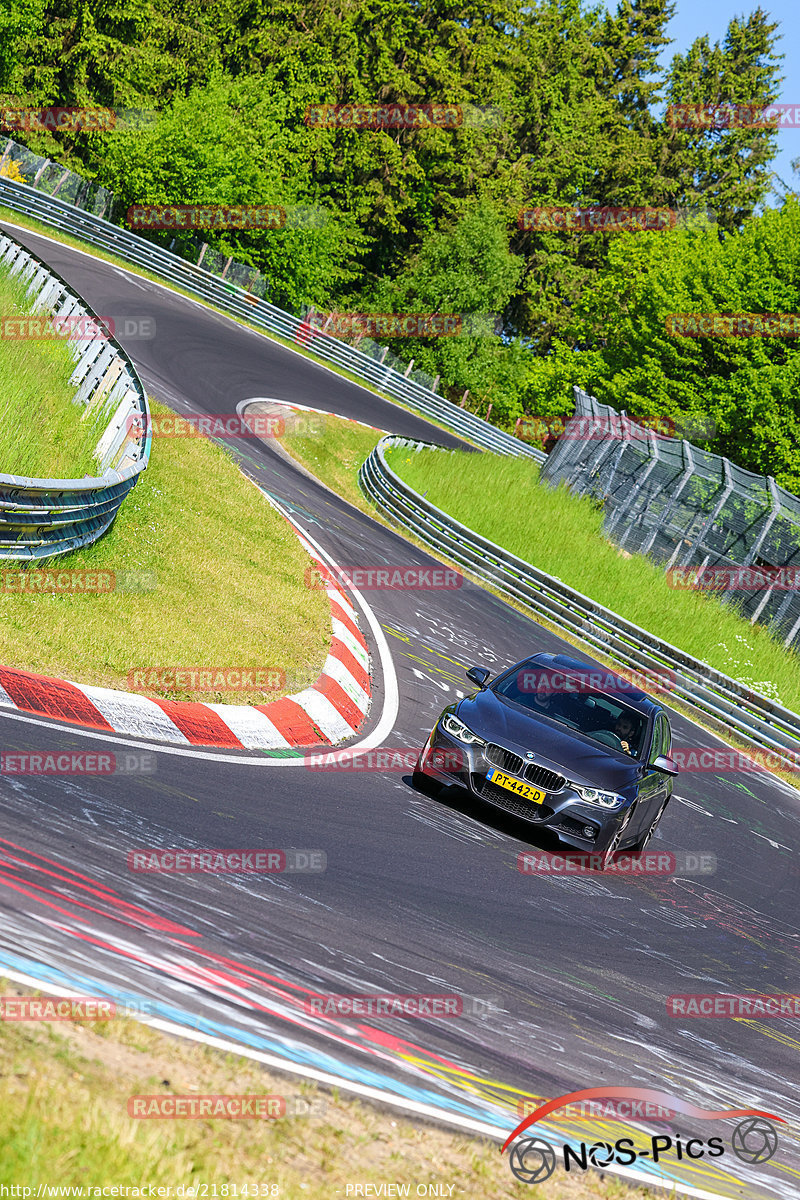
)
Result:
{"points": [[419, 895]]}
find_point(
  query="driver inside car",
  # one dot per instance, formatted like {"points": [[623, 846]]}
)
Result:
{"points": [[624, 729]]}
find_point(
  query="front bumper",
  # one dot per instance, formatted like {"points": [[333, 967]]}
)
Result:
{"points": [[564, 812]]}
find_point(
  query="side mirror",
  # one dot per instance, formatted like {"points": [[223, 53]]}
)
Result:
{"points": [[478, 675], [667, 766]]}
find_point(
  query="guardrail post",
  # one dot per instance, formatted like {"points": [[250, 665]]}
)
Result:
{"points": [[42, 518]]}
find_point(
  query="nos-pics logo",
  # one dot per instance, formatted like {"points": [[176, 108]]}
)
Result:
{"points": [[532, 1159]]}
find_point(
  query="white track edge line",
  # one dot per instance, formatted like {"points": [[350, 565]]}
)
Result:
{"points": [[415, 1107]]}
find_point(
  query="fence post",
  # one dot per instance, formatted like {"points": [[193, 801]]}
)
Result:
{"points": [[654, 459], [57, 188], [712, 516], [40, 172], [686, 453]]}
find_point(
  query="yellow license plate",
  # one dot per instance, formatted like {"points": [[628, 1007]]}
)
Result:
{"points": [[535, 795]]}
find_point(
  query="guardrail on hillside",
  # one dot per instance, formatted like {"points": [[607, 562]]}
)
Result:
{"points": [[723, 701], [239, 303], [686, 507], [41, 518]]}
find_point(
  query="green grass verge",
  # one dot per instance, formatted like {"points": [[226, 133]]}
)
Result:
{"points": [[334, 455], [230, 587], [503, 500], [64, 1090], [43, 432]]}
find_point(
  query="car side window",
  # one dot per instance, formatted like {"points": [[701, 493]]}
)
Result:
{"points": [[666, 738], [656, 747]]}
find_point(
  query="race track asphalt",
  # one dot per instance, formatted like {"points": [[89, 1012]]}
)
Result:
{"points": [[420, 895]]}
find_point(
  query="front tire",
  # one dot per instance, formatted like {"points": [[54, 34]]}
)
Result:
{"points": [[614, 845], [646, 838]]}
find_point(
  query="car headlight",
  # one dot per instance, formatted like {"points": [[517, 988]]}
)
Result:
{"points": [[602, 799], [457, 729]]}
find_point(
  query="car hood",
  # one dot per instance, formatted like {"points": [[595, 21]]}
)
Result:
{"points": [[559, 749]]}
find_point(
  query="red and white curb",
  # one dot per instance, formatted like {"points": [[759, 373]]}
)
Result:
{"points": [[329, 711]]}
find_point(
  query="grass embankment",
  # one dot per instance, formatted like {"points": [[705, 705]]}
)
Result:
{"points": [[64, 1090], [230, 589], [563, 535], [43, 432], [334, 454], [503, 499]]}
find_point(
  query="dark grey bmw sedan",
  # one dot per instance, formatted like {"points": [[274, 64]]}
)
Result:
{"points": [[563, 744]]}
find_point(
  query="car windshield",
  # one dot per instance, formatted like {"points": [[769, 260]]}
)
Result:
{"points": [[569, 701]]}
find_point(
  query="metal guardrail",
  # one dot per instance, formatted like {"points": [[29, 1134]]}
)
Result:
{"points": [[239, 303], [718, 698], [686, 507], [41, 518]]}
